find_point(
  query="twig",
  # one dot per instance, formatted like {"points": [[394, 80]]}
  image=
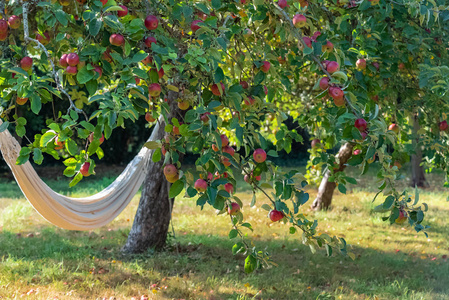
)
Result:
{"points": [[2, 9], [54, 73], [316, 59]]}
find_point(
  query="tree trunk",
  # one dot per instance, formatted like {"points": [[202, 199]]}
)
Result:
{"points": [[152, 220], [326, 190], [418, 178]]}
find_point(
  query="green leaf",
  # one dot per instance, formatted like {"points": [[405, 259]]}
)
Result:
{"points": [[61, 16], [76, 179], [388, 203], [95, 26], [84, 75], [250, 263], [157, 155], [37, 156], [36, 103], [92, 86], [71, 147], [20, 130], [152, 145], [233, 234], [238, 247], [139, 56], [176, 188], [266, 207], [93, 146], [342, 188], [4, 126], [46, 138]]}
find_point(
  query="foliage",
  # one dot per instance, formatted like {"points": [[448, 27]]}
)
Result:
{"points": [[200, 54]]}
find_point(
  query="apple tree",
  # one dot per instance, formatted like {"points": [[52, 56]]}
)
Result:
{"points": [[208, 73]]}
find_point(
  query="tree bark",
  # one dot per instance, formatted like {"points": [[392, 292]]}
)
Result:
{"points": [[323, 199], [152, 220], [418, 177]]}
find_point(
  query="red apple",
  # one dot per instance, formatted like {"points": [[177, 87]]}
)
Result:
{"points": [[276, 215], [194, 26], [170, 170], [394, 127], [149, 117], [233, 209], [200, 185], [154, 89], [336, 93], [26, 63], [59, 145], [265, 67], [71, 70], [183, 105], [283, 3], [216, 91], [224, 140], [63, 61], [205, 117], [151, 22], [228, 149], [402, 217], [91, 138], [376, 65], [14, 22], [3, 26], [259, 155], [21, 101], [225, 161], [401, 66], [360, 124], [244, 84], [360, 64], [99, 71], [307, 41], [315, 143], [137, 80], [324, 83], [443, 125], [332, 67], [229, 188], [357, 152], [250, 101], [85, 169], [328, 47], [72, 59], [104, 2], [116, 39], [161, 73], [150, 40], [44, 40], [3, 36], [299, 21], [122, 13]]}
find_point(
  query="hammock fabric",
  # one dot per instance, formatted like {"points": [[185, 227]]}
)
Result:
{"points": [[76, 213]]}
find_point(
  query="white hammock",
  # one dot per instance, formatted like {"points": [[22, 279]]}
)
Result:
{"points": [[76, 213]]}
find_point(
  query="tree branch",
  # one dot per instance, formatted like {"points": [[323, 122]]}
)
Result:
{"points": [[27, 39]]}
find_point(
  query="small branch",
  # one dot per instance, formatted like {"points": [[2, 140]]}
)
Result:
{"points": [[2, 9], [316, 59], [42, 47]]}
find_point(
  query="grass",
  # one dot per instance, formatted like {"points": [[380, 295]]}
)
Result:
{"points": [[392, 262]]}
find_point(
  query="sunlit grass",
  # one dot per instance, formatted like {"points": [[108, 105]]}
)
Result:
{"points": [[392, 262]]}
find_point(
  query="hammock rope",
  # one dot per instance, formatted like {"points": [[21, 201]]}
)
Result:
{"points": [[85, 213]]}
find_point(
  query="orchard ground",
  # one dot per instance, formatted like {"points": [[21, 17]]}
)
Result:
{"points": [[398, 263]]}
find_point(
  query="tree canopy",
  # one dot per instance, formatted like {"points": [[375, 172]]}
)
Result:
{"points": [[346, 70]]}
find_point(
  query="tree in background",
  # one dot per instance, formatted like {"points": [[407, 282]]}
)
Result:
{"points": [[210, 73]]}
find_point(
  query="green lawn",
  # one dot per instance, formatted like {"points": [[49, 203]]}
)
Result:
{"points": [[393, 262]]}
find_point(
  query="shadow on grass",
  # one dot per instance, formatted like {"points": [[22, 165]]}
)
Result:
{"points": [[207, 262]]}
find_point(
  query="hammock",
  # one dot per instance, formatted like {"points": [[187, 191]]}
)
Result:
{"points": [[76, 213]]}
